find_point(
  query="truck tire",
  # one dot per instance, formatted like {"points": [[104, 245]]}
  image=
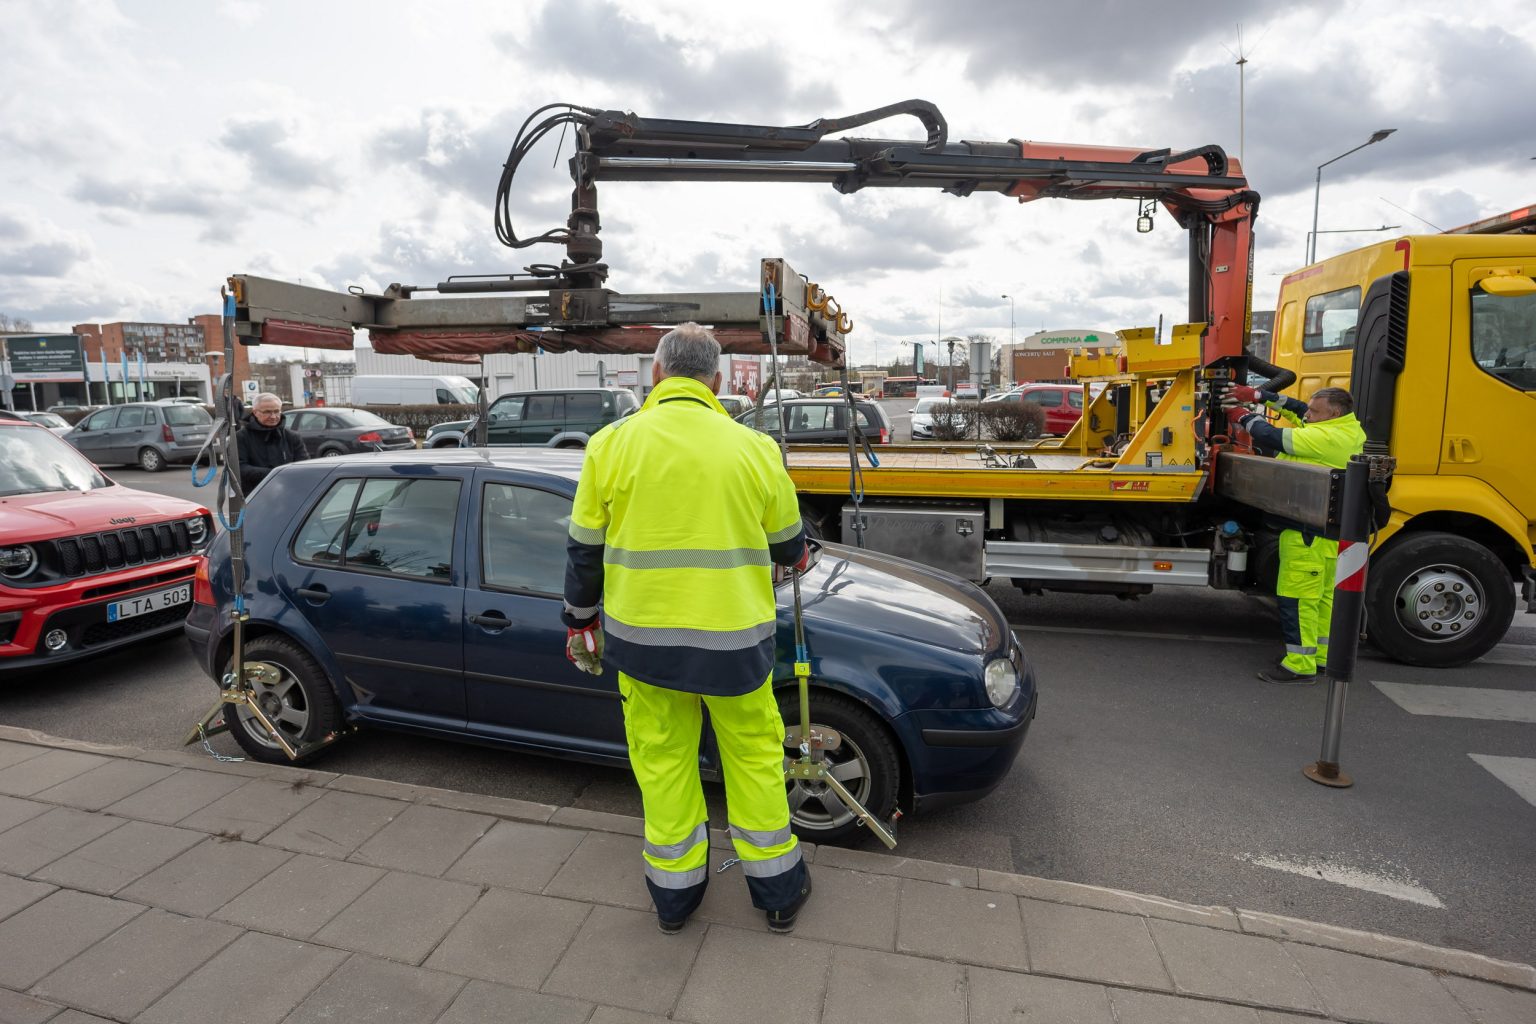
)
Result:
{"points": [[1437, 599]]}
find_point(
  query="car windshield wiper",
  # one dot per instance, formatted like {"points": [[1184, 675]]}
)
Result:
{"points": [[32, 490]]}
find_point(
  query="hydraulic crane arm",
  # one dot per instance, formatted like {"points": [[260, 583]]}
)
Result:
{"points": [[1204, 191]]}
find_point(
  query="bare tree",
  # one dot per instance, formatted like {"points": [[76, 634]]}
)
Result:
{"points": [[9, 324]]}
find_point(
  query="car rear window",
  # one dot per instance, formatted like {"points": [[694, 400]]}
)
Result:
{"points": [[362, 418], [186, 416]]}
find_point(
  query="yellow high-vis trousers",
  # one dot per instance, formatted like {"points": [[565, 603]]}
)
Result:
{"points": [[663, 728], [1305, 593]]}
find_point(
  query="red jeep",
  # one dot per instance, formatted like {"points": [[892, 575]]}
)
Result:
{"points": [[86, 565]]}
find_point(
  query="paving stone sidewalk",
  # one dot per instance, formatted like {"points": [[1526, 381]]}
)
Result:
{"points": [[167, 888]]}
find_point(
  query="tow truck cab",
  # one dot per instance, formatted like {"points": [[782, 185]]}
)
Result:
{"points": [[1463, 498]]}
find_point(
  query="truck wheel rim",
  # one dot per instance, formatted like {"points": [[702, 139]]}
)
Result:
{"points": [[813, 806], [1440, 603], [286, 706]]}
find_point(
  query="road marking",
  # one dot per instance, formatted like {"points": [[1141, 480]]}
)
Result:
{"points": [[1461, 701], [1356, 878], [1518, 773], [1509, 654], [1132, 635]]}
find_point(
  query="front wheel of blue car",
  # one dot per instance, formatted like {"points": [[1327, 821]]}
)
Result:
{"points": [[865, 762], [300, 702]]}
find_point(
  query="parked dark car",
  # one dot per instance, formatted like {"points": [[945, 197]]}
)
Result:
{"points": [[821, 420], [555, 419], [146, 434], [327, 432], [422, 591]]}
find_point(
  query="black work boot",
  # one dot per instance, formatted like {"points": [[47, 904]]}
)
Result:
{"points": [[783, 921], [1281, 674]]}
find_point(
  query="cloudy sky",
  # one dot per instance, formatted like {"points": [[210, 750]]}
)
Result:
{"points": [[149, 149]]}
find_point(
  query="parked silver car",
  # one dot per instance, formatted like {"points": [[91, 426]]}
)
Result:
{"points": [[145, 434]]}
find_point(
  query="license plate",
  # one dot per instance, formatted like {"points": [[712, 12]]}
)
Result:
{"points": [[146, 603]]}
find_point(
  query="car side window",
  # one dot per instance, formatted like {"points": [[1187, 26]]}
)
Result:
{"points": [[444, 397], [308, 421], [100, 420], [403, 527], [522, 538], [545, 407], [320, 538], [1044, 399], [1075, 399], [508, 410], [133, 416], [812, 417], [585, 405]]}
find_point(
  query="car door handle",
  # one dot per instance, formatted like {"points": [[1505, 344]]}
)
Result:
{"points": [[316, 593], [491, 620]]}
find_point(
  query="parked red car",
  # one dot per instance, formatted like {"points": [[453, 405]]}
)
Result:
{"points": [[1063, 404], [86, 565]]}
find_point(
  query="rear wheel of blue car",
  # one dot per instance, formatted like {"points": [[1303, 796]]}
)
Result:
{"points": [[300, 703], [865, 763]]}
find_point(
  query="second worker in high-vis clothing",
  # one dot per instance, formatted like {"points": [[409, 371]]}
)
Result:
{"points": [[680, 514], [1324, 432]]}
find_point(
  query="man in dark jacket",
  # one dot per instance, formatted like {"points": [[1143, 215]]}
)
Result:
{"points": [[265, 443]]}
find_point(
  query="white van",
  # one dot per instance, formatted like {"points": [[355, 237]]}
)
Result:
{"points": [[931, 391], [397, 389]]}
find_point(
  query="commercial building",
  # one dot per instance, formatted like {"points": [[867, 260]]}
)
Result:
{"points": [[100, 364]]}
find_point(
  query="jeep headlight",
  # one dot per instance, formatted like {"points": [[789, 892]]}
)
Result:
{"points": [[197, 531], [17, 562], [1002, 682]]}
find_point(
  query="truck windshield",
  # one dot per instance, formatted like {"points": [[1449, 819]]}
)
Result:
{"points": [[34, 460]]}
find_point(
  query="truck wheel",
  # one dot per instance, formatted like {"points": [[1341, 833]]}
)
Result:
{"points": [[866, 764], [301, 703], [1437, 599]]}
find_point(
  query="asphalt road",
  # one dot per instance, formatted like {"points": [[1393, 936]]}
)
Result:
{"points": [[1158, 764]]}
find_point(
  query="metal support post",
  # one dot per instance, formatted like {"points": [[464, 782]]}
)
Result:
{"points": [[1348, 612]]}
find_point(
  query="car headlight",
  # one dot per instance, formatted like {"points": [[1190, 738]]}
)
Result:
{"points": [[1002, 682], [17, 562], [197, 531]]}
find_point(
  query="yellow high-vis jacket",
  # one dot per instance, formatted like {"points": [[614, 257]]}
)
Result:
{"points": [[679, 513]]}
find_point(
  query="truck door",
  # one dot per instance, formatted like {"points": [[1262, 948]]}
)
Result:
{"points": [[1490, 413]]}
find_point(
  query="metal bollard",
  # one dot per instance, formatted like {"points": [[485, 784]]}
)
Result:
{"points": [[1344, 625]]}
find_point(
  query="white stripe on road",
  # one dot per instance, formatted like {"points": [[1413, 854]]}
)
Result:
{"points": [[1509, 654], [1518, 773], [1461, 701], [1355, 878]]}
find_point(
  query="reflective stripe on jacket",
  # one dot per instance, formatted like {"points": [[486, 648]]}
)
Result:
{"points": [[679, 513]]}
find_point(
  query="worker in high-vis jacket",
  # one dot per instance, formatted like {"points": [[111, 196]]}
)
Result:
{"points": [[1324, 432], [680, 515]]}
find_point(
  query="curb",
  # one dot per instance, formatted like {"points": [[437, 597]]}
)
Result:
{"points": [[1370, 944]]}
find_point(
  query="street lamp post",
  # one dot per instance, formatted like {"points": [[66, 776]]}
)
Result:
{"points": [[1010, 318], [1317, 189]]}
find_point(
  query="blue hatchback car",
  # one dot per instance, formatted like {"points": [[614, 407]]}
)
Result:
{"points": [[421, 591]]}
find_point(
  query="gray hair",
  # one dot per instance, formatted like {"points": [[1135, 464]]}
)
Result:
{"points": [[688, 350], [1342, 401], [266, 396]]}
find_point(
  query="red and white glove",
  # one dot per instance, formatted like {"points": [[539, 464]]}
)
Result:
{"points": [[584, 648], [1244, 393]]}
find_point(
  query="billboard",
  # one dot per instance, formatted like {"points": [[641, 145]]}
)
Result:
{"points": [[1070, 339], [49, 357], [746, 377]]}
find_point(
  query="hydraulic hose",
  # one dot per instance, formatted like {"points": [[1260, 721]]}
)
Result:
{"points": [[1279, 378]]}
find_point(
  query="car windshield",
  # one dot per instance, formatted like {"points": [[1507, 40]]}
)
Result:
{"points": [[927, 405], [34, 461], [47, 419], [467, 395], [186, 416], [361, 418]]}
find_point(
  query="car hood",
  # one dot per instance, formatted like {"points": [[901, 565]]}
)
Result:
{"points": [[861, 589], [33, 517]]}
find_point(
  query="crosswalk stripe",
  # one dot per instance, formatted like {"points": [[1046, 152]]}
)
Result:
{"points": [[1461, 701], [1518, 773]]}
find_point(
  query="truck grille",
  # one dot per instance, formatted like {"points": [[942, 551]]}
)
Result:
{"points": [[94, 553]]}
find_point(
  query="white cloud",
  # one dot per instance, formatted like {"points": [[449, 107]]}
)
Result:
{"points": [[156, 149]]}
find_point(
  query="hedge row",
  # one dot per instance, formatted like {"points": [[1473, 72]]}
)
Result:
{"points": [[1002, 421]]}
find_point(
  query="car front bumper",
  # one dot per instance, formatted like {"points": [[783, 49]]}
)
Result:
{"points": [[964, 755], [85, 622]]}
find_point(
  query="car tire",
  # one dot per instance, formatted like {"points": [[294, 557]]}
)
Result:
{"points": [[866, 763], [150, 460], [329, 451], [303, 702], [1428, 580]]}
